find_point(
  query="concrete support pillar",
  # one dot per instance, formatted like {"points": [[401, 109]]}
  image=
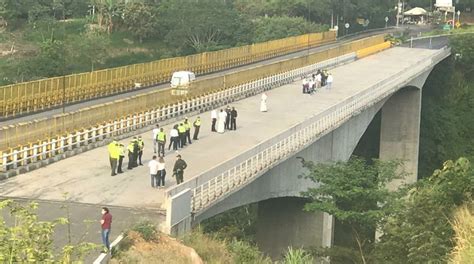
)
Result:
{"points": [[400, 132], [282, 223]]}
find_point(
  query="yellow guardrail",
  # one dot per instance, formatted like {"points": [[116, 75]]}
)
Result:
{"points": [[373, 49], [40, 130], [43, 94]]}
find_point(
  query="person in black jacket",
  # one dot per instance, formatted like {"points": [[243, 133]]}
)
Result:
{"points": [[233, 119], [178, 169], [228, 110]]}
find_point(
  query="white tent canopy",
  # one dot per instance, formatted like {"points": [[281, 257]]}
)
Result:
{"points": [[417, 11]]}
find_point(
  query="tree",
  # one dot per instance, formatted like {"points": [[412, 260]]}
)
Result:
{"points": [[355, 193], [27, 239], [419, 230], [89, 48], [108, 12], [140, 20]]}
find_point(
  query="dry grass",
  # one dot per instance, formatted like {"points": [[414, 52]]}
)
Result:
{"points": [[163, 249], [211, 250], [464, 227]]}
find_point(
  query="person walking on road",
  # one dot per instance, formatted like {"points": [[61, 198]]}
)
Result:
{"points": [[329, 82], [161, 140], [106, 224], [182, 135], [263, 103], [233, 119], [161, 172], [155, 132], [221, 121], [178, 169], [187, 125], [153, 166], [174, 138], [197, 126], [114, 153], [141, 145], [121, 157], [214, 120]]}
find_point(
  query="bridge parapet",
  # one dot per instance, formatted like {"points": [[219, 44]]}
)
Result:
{"points": [[215, 184]]}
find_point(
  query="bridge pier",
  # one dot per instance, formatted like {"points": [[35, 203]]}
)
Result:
{"points": [[282, 222], [400, 132]]}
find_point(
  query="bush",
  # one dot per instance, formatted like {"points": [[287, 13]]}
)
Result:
{"points": [[210, 249], [297, 256], [146, 229], [244, 252]]}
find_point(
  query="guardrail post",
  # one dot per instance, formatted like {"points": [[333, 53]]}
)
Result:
{"points": [[4, 161], [15, 159]]}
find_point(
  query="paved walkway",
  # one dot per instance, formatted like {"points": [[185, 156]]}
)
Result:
{"points": [[86, 177]]}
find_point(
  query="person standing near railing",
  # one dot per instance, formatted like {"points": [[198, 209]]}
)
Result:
{"points": [[182, 135], [130, 155], [178, 169], [263, 103], [114, 153], [329, 82], [233, 119], [106, 224], [161, 173]]}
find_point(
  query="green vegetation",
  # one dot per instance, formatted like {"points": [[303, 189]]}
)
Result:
{"points": [[25, 238]]}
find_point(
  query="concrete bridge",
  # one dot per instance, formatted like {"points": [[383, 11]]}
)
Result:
{"points": [[258, 161]]}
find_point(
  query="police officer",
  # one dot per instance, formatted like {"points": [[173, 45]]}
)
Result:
{"points": [[114, 153], [197, 126], [178, 169], [141, 145], [136, 149], [131, 157], [121, 157], [161, 140], [182, 135], [187, 125]]}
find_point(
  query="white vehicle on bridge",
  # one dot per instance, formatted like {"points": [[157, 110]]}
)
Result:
{"points": [[182, 79]]}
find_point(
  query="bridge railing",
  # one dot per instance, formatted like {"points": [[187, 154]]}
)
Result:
{"points": [[211, 186]]}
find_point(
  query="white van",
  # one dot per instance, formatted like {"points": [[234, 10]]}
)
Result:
{"points": [[182, 79]]}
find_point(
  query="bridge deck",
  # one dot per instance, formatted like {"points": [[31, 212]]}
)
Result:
{"points": [[86, 177]]}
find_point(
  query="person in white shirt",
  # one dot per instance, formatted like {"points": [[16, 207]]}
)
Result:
{"points": [[214, 120], [318, 80], [155, 132], [263, 103], [153, 165], [174, 138], [161, 172], [221, 121], [305, 84], [329, 82]]}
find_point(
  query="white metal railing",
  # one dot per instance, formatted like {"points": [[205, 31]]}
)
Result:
{"points": [[229, 176], [59, 145]]}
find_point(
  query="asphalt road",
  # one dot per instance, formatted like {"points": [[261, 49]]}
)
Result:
{"points": [[79, 105]]}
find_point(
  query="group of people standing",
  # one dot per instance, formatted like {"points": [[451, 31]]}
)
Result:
{"points": [[117, 153], [316, 81], [180, 136], [226, 119]]}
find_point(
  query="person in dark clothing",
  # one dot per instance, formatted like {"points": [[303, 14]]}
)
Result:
{"points": [[227, 118], [178, 169], [136, 149], [131, 159], [233, 119], [324, 77]]}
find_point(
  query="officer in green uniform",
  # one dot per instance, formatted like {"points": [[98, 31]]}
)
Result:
{"points": [[182, 135], [197, 126], [161, 140], [141, 145], [121, 157], [187, 125], [130, 155], [114, 153]]}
